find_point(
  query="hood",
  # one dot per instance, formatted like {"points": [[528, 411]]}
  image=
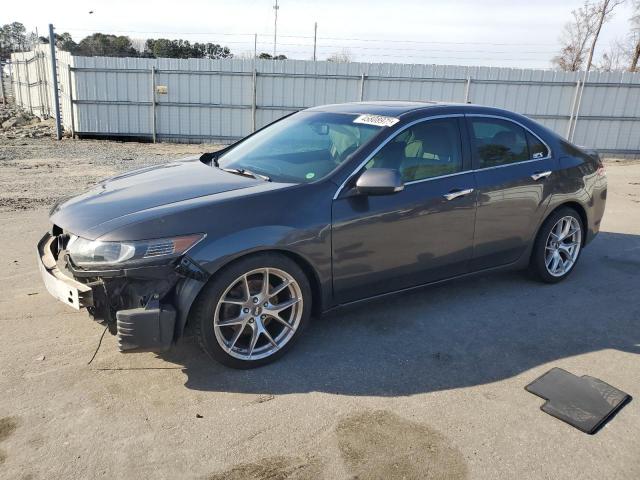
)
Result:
{"points": [[143, 189]]}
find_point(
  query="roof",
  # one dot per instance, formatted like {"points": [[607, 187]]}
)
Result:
{"points": [[390, 108], [400, 108]]}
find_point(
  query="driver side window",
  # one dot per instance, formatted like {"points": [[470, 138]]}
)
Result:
{"points": [[427, 149]]}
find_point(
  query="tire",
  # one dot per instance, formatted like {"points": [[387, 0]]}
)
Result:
{"points": [[568, 249], [224, 300]]}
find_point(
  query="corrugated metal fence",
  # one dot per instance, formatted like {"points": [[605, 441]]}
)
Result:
{"points": [[222, 100], [32, 86]]}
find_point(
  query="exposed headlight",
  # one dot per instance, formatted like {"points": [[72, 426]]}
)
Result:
{"points": [[96, 253]]}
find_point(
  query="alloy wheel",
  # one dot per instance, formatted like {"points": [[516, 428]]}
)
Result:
{"points": [[563, 246], [258, 313]]}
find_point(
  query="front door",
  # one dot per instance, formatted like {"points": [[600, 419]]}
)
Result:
{"points": [[419, 235]]}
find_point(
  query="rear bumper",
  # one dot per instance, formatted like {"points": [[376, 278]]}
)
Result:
{"points": [[148, 328]]}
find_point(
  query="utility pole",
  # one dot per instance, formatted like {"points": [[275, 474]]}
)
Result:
{"points": [[275, 28], [255, 46], [315, 39]]}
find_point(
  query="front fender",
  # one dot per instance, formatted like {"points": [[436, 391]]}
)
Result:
{"points": [[311, 247]]}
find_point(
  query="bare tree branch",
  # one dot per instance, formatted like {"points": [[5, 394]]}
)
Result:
{"points": [[584, 29], [635, 33], [604, 11]]}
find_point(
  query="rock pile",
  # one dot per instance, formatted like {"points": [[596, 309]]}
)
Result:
{"points": [[18, 123]]}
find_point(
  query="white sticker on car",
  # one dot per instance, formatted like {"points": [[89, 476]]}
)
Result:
{"points": [[377, 120]]}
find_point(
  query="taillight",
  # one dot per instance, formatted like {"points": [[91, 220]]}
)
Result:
{"points": [[599, 165]]}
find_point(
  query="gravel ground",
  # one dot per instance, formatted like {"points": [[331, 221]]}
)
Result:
{"points": [[422, 385], [34, 173]]}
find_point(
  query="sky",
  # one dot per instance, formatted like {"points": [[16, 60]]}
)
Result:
{"points": [[507, 33]]}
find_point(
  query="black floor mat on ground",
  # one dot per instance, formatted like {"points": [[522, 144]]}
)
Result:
{"points": [[583, 402]]}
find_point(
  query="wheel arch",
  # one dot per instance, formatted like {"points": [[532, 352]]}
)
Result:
{"points": [[577, 206], [189, 292]]}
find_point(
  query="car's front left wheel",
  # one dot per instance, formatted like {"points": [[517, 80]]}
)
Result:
{"points": [[251, 312]]}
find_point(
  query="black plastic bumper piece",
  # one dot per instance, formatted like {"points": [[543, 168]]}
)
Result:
{"points": [[146, 329]]}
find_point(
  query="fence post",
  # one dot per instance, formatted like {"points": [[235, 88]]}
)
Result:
{"points": [[4, 101], [54, 82], [38, 84], [575, 120], [467, 90], [254, 95], [42, 85], [45, 83], [362, 80], [18, 83], [26, 65], [73, 121], [573, 109], [153, 104]]}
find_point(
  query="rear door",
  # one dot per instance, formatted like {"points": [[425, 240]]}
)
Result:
{"points": [[513, 168]]}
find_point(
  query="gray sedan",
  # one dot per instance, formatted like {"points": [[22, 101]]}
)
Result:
{"points": [[325, 207]]}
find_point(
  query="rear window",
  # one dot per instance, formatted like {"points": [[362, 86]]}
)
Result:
{"points": [[537, 149], [498, 142]]}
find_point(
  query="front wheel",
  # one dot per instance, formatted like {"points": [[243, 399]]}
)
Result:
{"points": [[557, 246], [251, 313]]}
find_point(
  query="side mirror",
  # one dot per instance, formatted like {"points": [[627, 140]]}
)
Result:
{"points": [[379, 181]]}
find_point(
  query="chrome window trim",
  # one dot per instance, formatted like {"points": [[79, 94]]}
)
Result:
{"points": [[507, 119], [453, 115], [438, 177], [391, 137]]}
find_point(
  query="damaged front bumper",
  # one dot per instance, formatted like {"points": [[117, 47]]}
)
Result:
{"points": [[136, 304]]}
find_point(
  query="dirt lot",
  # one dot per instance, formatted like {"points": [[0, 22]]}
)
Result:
{"points": [[422, 385]]}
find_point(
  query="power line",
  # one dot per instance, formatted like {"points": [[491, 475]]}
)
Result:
{"points": [[369, 40], [370, 51], [539, 52]]}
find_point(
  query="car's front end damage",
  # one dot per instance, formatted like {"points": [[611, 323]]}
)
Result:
{"points": [[135, 297], [124, 250]]}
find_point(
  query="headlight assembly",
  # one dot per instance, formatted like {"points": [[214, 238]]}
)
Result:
{"points": [[96, 253]]}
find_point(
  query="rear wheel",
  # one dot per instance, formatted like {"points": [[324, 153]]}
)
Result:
{"points": [[558, 246], [251, 313]]}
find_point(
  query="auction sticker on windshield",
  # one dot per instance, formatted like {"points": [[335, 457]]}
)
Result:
{"points": [[378, 120]]}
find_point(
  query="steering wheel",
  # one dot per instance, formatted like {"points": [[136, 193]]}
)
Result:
{"points": [[341, 157]]}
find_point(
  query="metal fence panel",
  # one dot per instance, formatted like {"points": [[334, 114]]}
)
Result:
{"points": [[222, 100]]}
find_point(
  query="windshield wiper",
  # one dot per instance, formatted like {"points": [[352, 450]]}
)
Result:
{"points": [[246, 173]]}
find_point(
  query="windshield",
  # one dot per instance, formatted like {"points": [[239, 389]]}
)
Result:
{"points": [[301, 148]]}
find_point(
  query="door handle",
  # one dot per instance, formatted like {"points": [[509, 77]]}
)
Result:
{"points": [[539, 175], [457, 193]]}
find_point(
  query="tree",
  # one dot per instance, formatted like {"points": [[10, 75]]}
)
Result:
{"points": [[635, 34], [100, 44], [13, 38], [580, 35], [603, 11], [343, 56], [268, 56], [213, 50], [574, 38], [165, 48], [613, 58], [65, 42]]}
